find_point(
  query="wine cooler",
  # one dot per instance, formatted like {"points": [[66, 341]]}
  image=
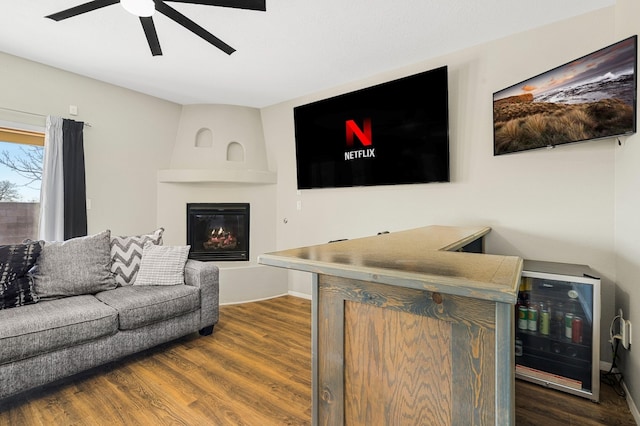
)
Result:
{"points": [[557, 342]]}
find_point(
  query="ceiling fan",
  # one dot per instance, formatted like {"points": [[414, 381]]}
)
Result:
{"points": [[145, 9]]}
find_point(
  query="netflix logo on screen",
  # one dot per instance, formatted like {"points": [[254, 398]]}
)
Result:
{"points": [[389, 134], [364, 136]]}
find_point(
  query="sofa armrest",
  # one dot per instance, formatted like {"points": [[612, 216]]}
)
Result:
{"points": [[205, 275]]}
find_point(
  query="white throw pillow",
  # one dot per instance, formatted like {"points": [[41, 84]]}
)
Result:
{"points": [[162, 265]]}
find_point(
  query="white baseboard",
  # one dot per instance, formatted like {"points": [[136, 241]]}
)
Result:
{"points": [[290, 293], [252, 300], [606, 366], [632, 406], [300, 295]]}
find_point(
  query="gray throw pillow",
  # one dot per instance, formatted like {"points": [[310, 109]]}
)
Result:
{"points": [[77, 266]]}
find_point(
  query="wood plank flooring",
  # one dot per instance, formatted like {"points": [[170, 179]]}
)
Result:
{"points": [[254, 370]]}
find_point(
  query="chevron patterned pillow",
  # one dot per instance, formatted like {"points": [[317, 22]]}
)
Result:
{"points": [[126, 253]]}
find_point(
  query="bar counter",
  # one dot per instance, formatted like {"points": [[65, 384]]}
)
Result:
{"points": [[410, 327]]}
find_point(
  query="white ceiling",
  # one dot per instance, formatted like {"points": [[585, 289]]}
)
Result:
{"points": [[294, 48]]}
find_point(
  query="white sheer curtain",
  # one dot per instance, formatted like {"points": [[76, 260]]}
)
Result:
{"points": [[52, 190]]}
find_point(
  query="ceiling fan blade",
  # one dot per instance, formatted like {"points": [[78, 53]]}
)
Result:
{"points": [[152, 35], [238, 4], [83, 8], [178, 17]]}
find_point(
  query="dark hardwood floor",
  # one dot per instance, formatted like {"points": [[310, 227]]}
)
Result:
{"points": [[254, 370]]}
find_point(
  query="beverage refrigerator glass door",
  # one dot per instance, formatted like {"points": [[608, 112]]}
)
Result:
{"points": [[557, 331]]}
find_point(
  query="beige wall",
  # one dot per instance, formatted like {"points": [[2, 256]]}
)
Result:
{"points": [[131, 137], [627, 224], [556, 205], [577, 203]]}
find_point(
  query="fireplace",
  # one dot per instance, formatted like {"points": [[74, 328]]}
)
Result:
{"points": [[218, 231]]}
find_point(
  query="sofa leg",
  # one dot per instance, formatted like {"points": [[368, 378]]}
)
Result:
{"points": [[206, 331]]}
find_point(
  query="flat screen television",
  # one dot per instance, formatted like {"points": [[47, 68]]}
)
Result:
{"points": [[391, 133], [592, 97]]}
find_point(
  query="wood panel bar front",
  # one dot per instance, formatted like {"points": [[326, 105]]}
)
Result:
{"points": [[396, 343]]}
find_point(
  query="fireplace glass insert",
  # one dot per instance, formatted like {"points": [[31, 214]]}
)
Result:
{"points": [[218, 231]]}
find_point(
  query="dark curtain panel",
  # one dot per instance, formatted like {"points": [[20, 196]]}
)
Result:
{"points": [[75, 190]]}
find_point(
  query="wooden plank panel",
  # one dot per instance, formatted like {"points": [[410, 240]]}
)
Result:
{"points": [[473, 375], [505, 364], [446, 307], [397, 367], [330, 359], [315, 290], [471, 346]]}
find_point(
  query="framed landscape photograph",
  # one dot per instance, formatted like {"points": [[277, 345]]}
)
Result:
{"points": [[592, 97]]}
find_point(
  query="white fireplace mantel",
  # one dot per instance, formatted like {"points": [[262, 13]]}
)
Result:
{"points": [[177, 186], [259, 177]]}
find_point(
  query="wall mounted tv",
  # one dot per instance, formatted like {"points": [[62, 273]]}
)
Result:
{"points": [[391, 133], [592, 97]]}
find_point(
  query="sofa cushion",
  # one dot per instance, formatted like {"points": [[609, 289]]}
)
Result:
{"points": [[162, 265], [138, 306], [16, 285], [77, 266], [126, 253], [53, 324]]}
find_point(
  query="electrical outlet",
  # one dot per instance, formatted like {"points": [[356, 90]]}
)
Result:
{"points": [[625, 330]]}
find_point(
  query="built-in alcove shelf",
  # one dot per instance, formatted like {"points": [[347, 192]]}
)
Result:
{"points": [[224, 176]]}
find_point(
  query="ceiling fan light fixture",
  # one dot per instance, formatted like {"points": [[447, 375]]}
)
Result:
{"points": [[142, 8]]}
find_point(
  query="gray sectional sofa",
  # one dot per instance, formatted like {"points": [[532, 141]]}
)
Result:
{"points": [[50, 338]]}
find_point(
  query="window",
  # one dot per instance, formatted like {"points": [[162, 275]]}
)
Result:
{"points": [[21, 155]]}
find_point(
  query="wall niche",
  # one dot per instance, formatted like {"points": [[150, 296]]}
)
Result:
{"points": [[204, 138], [235, 152], [200, 134]]}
